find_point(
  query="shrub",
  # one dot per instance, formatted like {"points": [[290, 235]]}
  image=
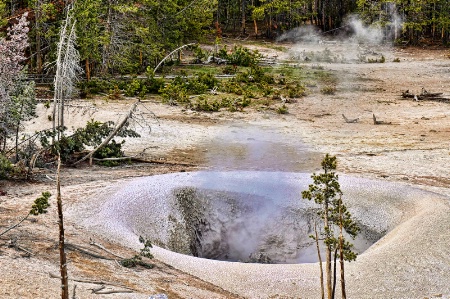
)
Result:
{"points": [[376, 60], [207, 79], [229, 70], [199, 53], [231, 86], [111, 150], [115, 94], [202, 104], [282, 109], [328, 90], [137, 259], [240, 56], [174, 93], [5, 167], [133, 88], [296, 91]]}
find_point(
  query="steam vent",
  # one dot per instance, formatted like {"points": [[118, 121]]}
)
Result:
{"points": [[254, 225]]}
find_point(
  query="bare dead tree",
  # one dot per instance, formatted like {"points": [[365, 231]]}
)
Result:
{"points": [[67, 69]]}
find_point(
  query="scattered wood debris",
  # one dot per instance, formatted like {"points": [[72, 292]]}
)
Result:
{"points": [[350, 121], [426, 96], [99, 282], [379, 122]]}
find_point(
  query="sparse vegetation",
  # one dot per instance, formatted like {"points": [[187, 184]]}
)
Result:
{"points": [[282, 109], [328, 90], [382, 59], [137, 260]]}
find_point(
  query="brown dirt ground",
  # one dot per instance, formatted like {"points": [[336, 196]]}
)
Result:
{"points": [[413, 149]]}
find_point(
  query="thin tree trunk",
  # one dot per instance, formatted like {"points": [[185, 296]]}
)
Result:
{"points": [[17, 131], [243, 16], [334, 273], [106, 45], [328, 248], [87, 69], [322, 290], [62, 254], [38, 37], [341, 251]]}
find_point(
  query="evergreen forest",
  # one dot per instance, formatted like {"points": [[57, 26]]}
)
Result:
{"points": [[116, 37]]}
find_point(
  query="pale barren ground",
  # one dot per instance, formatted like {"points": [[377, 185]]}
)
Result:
{"points": [[413, 150]]}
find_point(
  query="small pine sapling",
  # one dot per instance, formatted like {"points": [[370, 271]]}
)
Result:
{"points": [[136, 260]]}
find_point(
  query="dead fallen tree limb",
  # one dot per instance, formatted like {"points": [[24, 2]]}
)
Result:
{"points": [[13, 243], [113, 292], [164, 162], [350, 121], [426, 96], [86, 251], [106, 250], [112, 134], [113, 159], [140, 160], [101, 282], [15, 225]]}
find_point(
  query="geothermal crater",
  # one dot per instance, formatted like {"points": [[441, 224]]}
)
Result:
{"points": [[244, 216]]}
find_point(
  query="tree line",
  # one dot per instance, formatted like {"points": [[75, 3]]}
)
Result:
{"points": [[123, 36]]}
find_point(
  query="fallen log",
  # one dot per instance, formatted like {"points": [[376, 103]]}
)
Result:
{"points": [[113, 292], [140, 160], [79, 248], [93, 281], [104, 249], [425, 96], [350, 121]]}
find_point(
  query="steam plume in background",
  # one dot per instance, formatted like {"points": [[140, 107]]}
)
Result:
{"points": [[364, 34], [355, 39], [354, 28], [307, 33]]}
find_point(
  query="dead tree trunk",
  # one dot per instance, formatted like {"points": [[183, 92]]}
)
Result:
{"points": [[62, 254], [67, 70]]}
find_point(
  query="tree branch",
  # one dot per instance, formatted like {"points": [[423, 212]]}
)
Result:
{"points": [[15, 225], [170, 54]]}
